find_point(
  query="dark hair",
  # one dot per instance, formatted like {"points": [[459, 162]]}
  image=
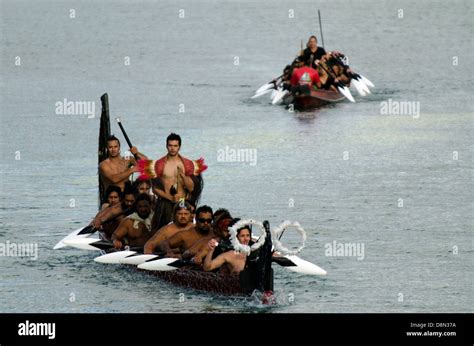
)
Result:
{"points": [[204, 209], [143, 197], [221, 214], [309, 39], [110, 189], [247, 227], [173, 137], [139, 182], [113, 138], [221, 211], [129, 190]]}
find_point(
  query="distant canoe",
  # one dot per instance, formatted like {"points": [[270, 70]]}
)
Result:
{"points": [[315, 99]]}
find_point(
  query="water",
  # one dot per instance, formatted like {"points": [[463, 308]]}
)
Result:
{"points": [[417, 258]]}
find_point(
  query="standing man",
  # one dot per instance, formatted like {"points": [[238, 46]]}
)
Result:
{"points": [[174, 178], [115, 170], [311, 54]]}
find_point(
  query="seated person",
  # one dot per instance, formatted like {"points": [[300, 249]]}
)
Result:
{"points": [[184, 240], [182, 222], [222, 221], [233, 261], [142, 186], [305, 76], [119, 211], [112, 196], [135, 230]]}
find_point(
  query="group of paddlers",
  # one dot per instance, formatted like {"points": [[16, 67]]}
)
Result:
{"points": [[317, 68], [157, 212]]}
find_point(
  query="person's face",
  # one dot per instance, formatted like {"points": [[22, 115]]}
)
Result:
{"points": [[113, 148], [143, 209], [313, 43], [222, 228], [128, 200], [173, 147], [244, 237], [143, 188], [113, 198], [204, 221], [182, 217]]}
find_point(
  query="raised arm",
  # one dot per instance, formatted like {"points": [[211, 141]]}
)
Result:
{"points": [[135, 151], [211, 264], [115, 178]]}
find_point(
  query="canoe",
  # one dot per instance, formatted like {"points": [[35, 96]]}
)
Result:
{"points": [[228, 285], [255, 276], [315, 99]]}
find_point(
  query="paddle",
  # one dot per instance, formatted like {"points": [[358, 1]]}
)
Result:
{"points": [[89, 244], [341, 87], [164, 264], [269, 85], [87, 231], [126, 257], [126, 137], [321, 27], [364, 80], [95, 244], [280, 94]]}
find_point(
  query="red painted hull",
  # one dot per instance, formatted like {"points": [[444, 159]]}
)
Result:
{"points": [[316, 99]]}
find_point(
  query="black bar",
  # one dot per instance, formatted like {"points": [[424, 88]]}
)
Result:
{"points": [[242, 329]]}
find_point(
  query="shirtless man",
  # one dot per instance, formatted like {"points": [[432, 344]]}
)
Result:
{"points": [[127, 204], [222, 221], [135, 230], [115, 170], [233, 260], [174, 181], [186, 239], [182, 222]]}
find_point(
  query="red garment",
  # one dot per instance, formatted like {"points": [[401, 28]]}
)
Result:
{"points": [[160, 165], [150, 169], [304, 75]]}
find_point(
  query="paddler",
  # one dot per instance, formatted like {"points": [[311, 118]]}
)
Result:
{"points": [[222, 221], [183, 221], [116, 170], [119, 210], [174, 178], [311, 54], [184, 240], [232, 261], [135, 229]]}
